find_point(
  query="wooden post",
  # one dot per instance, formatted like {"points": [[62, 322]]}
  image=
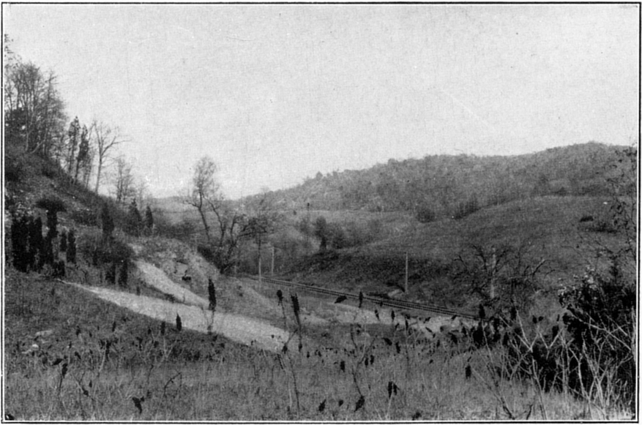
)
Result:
{"points": [[406, 280]]}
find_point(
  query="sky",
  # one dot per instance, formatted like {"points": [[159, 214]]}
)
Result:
{"points": [[276, 93]]}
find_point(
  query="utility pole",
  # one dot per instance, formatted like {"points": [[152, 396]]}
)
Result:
{"points": [[406, 280], [272, 265], [493, 267], [260, 268], [307, 233]]}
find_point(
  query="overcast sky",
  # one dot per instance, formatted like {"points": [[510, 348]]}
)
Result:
{"points": [[275, 93]]}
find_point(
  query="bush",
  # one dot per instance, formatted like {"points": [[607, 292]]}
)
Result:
{"points": [[103, 251], [134, 221], [19, 244], [71, 247], [49, 169], [601, 323], [63, 241], [123, 274], [466, 208], [84, 216], [106, 221], [53, 206], [425, 214], [14, 169]]}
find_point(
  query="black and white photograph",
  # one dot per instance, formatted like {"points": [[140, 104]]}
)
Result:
{"points": [[328, 212]]}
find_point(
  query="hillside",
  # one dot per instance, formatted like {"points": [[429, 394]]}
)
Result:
{"points": [[438, 185], [554, 229]]}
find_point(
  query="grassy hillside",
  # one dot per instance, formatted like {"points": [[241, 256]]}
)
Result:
{"points": [[440, 185]]}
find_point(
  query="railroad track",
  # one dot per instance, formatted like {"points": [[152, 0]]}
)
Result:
{"points": [[400, 304]]}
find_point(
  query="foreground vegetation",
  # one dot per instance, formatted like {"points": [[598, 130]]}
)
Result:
{"points": [[95, 361]]}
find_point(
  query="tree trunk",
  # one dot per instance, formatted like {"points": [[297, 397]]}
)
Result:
{"points": [[205, 225], [98, 172]]}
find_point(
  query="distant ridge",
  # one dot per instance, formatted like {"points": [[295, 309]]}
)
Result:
{"points": [[440, 185]]}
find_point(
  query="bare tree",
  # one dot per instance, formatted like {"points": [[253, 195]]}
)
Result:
{"points": [[72, 142], [123, 180], [34, 110], [204, 191], [88, 165], [261, 222], [106, 138], [141, 192]]}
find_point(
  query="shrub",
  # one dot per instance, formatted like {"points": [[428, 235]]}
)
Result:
{"points": [[35, 241], [425, 214], [110, 273], [336, 236], [14, 169], [63, 241], [71, 247], [53, 206], [106, 221], [466, 208], [19, 243], [123, 273], [49, 169], [84, 216], [601, 323], [47, 252], [321, 232], [102, 251], [211, 290], [149, 217], [134, 221]]}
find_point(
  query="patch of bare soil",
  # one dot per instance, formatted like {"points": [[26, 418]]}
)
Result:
{"points": [[238, 328], [156, 278]]}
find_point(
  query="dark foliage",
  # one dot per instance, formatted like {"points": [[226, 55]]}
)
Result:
{"points": [[59, 269], [149, 219], [211, 290], [321, 232], [63, 241], [20, 244], [134, 221], [85, 216], [425, 214], [601, 322], [107, 222], [35, 241], [123, 273], [47, 252], [14, 168], [110, 273], [466, 208], [71, 247], [53, 206], [103, 251]]}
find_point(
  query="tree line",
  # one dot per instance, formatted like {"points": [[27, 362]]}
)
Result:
{"points": [[36, 122]]}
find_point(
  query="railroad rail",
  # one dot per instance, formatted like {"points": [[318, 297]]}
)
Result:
{"points": [[400, 304]]}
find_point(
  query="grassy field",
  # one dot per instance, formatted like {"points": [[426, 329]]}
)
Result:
{"points": [[97, 361]]}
